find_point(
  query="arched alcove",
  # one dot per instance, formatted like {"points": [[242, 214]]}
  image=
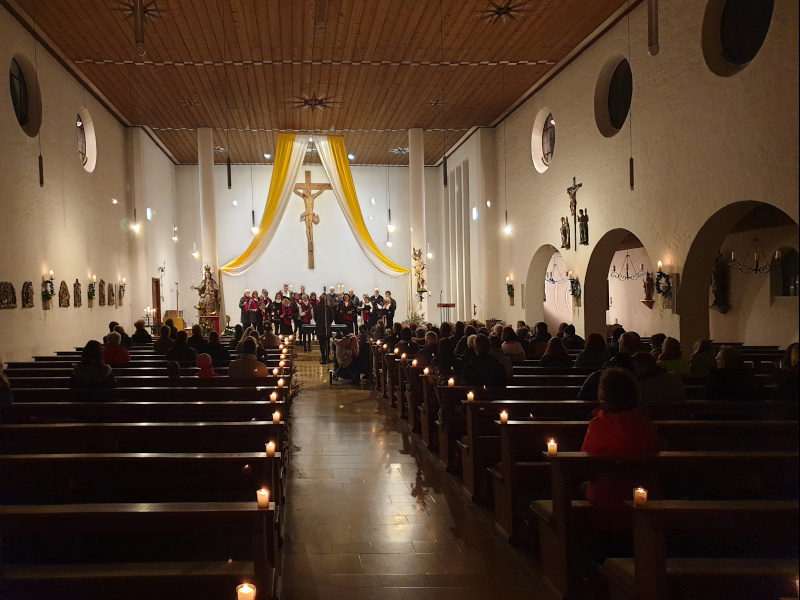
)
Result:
{"points": [[546, 301], [605, 302], [728, 230]]}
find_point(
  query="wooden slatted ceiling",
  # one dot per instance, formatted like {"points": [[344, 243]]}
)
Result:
{"points": [[378, 61]]}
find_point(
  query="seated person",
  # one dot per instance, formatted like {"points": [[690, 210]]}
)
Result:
{"points": [[140, 336], [164, 342], [446, 363], [512, 347], [247, 366], [425, 356], [703, 360], [92, 373], [540, 334], [361, 362], [483, 369], [204, 366], [461, 345], [173, 331], [787, 387], [656, 383], [732, 379], [594, 354], [406, 344], [670, 358], [269, 340], [556, 355], [6, 397], [114, 353], [560, 333], [215, 350], [571, 340], [173, 370], [619, 428], [616, 335], [457, 332], [496, 350], [656, 344], [629, 344], [111, 327], [181, 350], [445, 330], [238, 334], [394, 336], [197, 341], [126, 341]]}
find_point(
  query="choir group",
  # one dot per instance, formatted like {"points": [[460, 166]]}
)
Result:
{"points": [[290, 310]]}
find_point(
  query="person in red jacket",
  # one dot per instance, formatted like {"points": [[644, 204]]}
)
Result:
{"points": [[619, 428], [114, 353]]}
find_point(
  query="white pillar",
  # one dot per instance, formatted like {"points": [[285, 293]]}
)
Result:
{"points": [[208, 218], [416, 176]]}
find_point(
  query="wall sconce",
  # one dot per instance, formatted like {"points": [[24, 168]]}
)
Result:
{"points": [[663, 282], [92, 285], [121, 288], [510, 291], [574, 286], [48, 290]]}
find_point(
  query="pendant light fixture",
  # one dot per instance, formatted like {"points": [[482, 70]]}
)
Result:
{"points": [[390, 227], [253, 227], [630, 112], [135, 225], [38, 101], [444, 119], [507, 229], [227, 112], [174, 226]]}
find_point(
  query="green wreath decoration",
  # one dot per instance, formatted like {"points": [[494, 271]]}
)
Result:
{"points": [[48, 292], [510, 290], [663, 284]]}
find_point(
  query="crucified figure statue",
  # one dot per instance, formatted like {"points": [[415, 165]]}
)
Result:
{"points": [[308, 192]]}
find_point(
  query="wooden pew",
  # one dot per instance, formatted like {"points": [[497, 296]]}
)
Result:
{"points": [[570, 529], [71, 438], [746, 549], [152, 394], [124, 381], [139, 477], [134, 551], [133, 412]]}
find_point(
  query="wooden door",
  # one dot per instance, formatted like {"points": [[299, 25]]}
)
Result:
{"points": [[156, 287]]}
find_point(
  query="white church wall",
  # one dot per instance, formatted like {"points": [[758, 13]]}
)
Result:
{"points": [[756, 318], [700, 142], [70, 225]]}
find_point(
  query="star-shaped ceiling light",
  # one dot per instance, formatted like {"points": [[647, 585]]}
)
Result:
{"points": [[141, 12], [400, 150], [499, 12], [314, 102]]}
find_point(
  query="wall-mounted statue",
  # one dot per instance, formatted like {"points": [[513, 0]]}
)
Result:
{"points": [[583, 226], [27, 294], [209, 294], [76, 293], [721, 285], [8, 295], [649, 286], [63, 295], [419, 270], [102, 291], [112, 299], [565, 233]]}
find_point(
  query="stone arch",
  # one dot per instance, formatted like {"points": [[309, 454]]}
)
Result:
{"points": [[695, 278], [534, 283]]}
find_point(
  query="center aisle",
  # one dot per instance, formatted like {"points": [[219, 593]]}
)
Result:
{"points": [[369, 517]]}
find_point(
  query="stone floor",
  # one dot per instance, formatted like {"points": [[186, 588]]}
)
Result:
{"points": [[370, 517]]}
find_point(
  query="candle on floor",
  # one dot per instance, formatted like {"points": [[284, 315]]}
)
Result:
{"points": [[403, 356], [397, 350], [552, 448], [640, 498], [291, 338], [246, 591], [386, 346], [451, 382], [280, 347], [426, 371], [281, 382], [414, 363], [282, 364], [285, 351], [270, 448], [470, 397], [276, 417], [275, 372], [504, 417], [273, 397]]}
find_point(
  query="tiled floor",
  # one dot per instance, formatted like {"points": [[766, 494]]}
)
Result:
{"points": [[368, 516]]}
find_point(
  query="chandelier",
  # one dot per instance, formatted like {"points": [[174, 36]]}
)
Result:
{"points": [[556, 276], [757, 269], [630, 272]]}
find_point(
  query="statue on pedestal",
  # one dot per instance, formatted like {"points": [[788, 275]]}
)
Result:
{"points": [[564, 233], [209, 294], [649, 286], [419, 270], [76, 289], [27, 294], [63, 295], [583, 226]]}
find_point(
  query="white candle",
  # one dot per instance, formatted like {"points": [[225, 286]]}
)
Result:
{"points": [[504, 417], [414, 363], [403, 356], [426, 371], [777, 254], [275, 372], [281, 382], [552, 448], [246, 591], [52, 275], [397, 350], [282, 364], [285, 351], [733, 255], [262, 497], [451, 382], [470, 397], [640, 498], [569, 274], [660, 266], [270, 448], [386, 346], [280, 347], [291, 337], [273, 397], [94, 278], [276, 417]]}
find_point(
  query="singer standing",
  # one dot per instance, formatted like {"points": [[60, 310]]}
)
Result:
{"points": [[323, 317]]}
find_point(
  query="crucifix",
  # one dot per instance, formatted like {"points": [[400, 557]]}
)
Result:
{"points": [[308, 192], [573, 204]]}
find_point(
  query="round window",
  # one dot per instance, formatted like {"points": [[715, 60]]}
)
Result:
{"points": [[548, 139], [25, 98], [543, 140], [81, 133], [620, 92], [733, 33], [86, 139]]}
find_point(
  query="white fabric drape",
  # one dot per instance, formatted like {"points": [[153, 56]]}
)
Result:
{"points": [[328, 162], [271, 220]]}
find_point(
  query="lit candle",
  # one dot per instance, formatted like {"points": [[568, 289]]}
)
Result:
{"points": [[281, 382], [282, 364], [552, 448], [280, 346], [777, 254], [569, 274], [403, 356], [52, 275], [733, 255], [275, 372], [451, 382], [470, 397], [426, 371], [640, 498], [270, 448], [660, 266], [291, 337], [94, 278], [285, 351], [397, 350], [246, 591], [386, 346], [414, 363], [273, 397], [504, 417], [276, 417]]}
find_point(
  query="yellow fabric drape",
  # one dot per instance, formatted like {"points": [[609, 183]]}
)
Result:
{"points": [[282, 158], [343, 168]]}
